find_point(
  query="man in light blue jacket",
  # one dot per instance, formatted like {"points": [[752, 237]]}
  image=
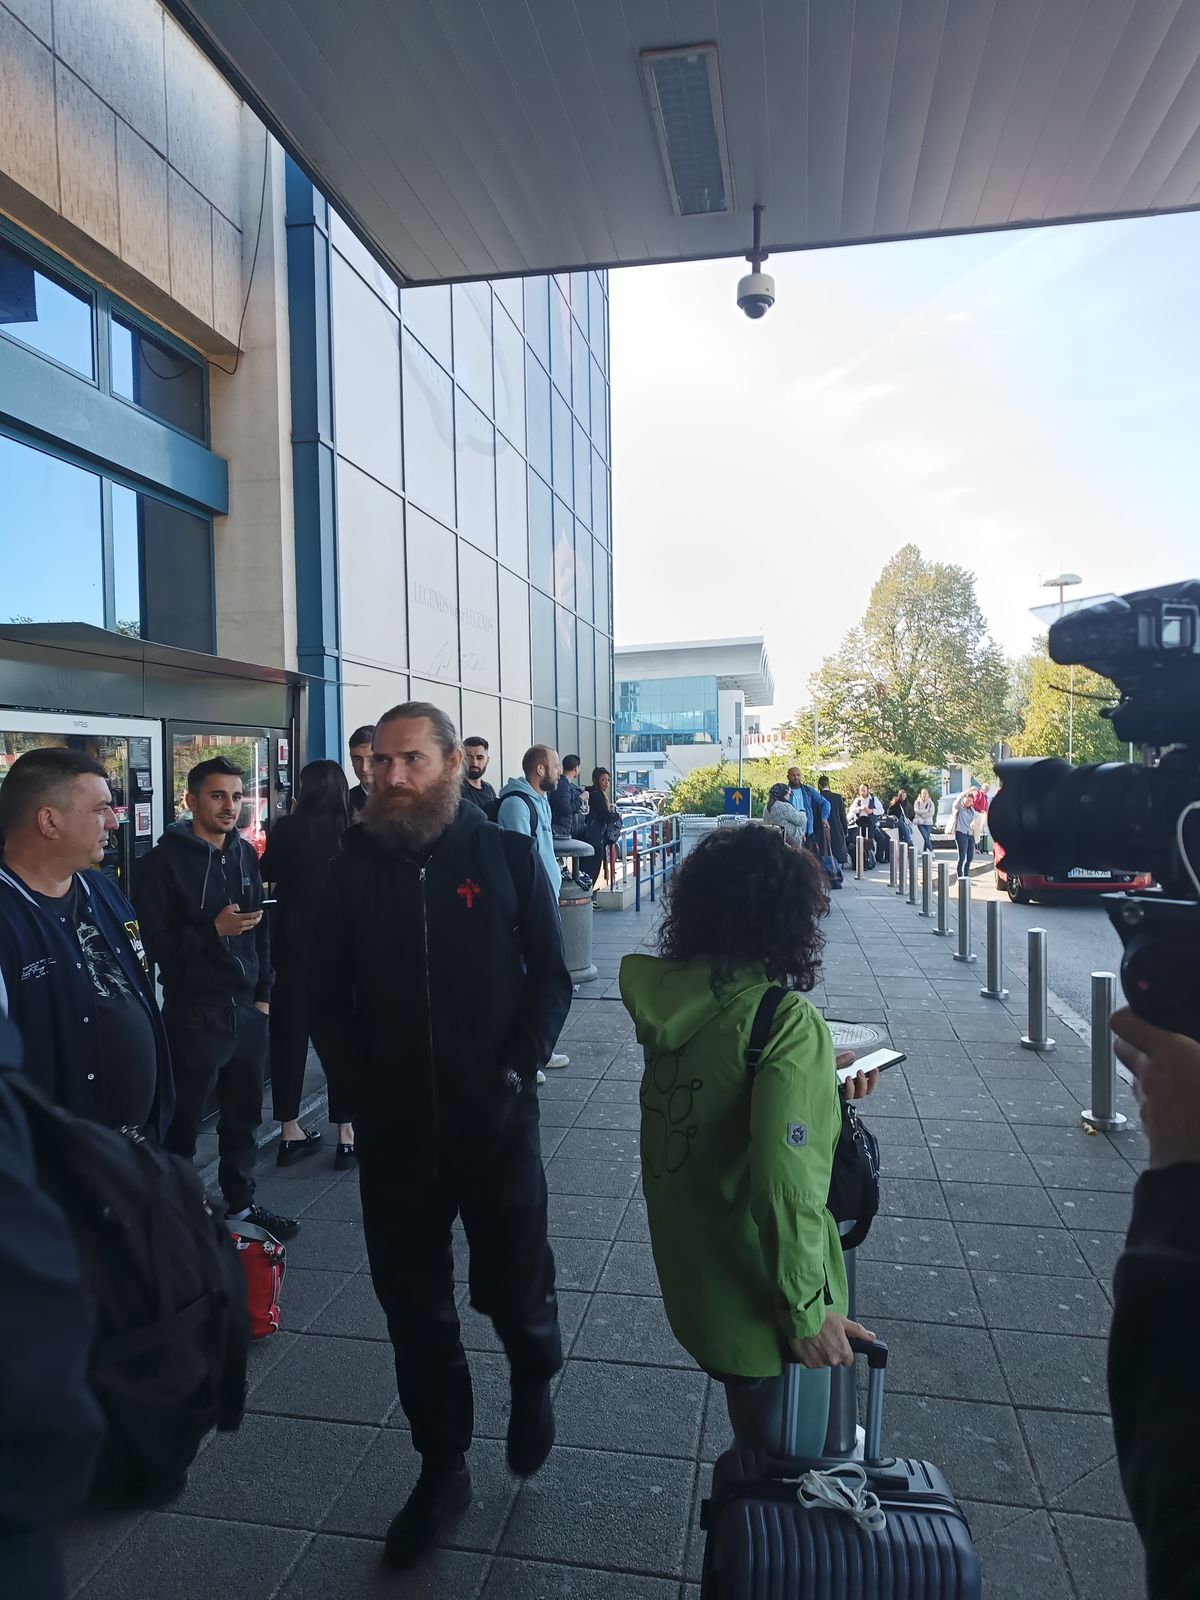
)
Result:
{"points": [[525, 808]]}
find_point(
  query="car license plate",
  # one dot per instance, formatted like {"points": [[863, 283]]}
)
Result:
{"points": [[1087, 872]]}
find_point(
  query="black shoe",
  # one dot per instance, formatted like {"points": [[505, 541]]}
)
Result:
{"points": [[277, 1227], [441, 1492], [293, 1150], [345, 1157], [530, 1427]]}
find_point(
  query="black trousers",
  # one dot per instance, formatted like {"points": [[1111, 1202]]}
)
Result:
{"points": [[226, 1046], [289, 1054], [502, 1203]]}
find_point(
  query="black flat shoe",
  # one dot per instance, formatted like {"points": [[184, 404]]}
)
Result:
{"points": [[345, 1157], [293, 1150]]}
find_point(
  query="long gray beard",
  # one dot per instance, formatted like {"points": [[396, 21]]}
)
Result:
{"points": [[413, 826]]}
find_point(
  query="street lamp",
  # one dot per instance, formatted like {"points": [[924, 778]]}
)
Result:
{"points": [[1062, 581]]}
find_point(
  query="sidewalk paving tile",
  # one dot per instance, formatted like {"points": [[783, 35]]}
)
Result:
{"points": [[988, 1270]]}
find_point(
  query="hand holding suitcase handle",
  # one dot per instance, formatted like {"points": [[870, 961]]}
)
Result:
{"points": [[875, 1350]]}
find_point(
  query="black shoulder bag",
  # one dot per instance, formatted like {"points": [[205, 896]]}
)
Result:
{"points": [[854, 1180]]}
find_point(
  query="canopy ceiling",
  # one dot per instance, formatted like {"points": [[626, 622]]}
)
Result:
{"points": [[480, 138]]}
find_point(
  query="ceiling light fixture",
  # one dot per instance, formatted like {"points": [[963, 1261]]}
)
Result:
{"points": [[683, 87]]}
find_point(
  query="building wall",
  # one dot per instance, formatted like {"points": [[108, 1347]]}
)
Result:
{"points": [[459, 492]]}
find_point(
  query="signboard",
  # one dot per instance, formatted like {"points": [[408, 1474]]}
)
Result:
{"points": [[142, 824], [737, 801], [283, 752]]}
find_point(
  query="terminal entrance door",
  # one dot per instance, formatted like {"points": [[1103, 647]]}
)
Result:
{"points": [[131, 752], [262, 755]]}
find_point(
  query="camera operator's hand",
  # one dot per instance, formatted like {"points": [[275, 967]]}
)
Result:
{"points": [[1166, 1067]]}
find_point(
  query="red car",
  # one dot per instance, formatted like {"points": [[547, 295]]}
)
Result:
{"points": [[1025, 886]]}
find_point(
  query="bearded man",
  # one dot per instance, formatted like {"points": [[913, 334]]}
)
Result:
{"points": [[437, 990]]}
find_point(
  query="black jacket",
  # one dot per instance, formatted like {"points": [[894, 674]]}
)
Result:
{"points": [[179, 890], [480, 798], [300, 851], [1152, 1382], [52, 1426], [839, 828], [566, 804], [358, 798], [430, 980]]}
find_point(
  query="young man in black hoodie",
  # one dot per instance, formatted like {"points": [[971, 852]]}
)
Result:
{"points": [[437, 988], [199, 900]]}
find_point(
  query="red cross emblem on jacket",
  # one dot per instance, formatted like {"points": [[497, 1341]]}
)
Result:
{"points": [[468, 892]]}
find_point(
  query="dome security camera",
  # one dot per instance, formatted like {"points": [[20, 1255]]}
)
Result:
{"points": [[756, 294], [756, 291]]}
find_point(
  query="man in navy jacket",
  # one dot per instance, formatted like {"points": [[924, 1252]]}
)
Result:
{"points": [[72, 973]]}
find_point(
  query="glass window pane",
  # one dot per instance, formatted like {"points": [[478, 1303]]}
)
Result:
{"points": [[560, 341], [363, 262], [603, 681], [127, 563], [581, 399], [514, 638], [537, 416], [584, 556], [427, 313], [564, 632], [432, 598], [599, 411], [596, 310], [510, 293], [473, 341], [568, 734], [48, 506], [583, 475], [371, 570], [545, 725], [43, 312], [541, 641], [541, 534], [478, 619], [177, 560], [517, 722], [481, 719], [511, 520], [475, 457], [587, 670], [366, 377], [600, 588], [441, 694], [579, 296], [564, 554], [600, 493], [563, 447], [509, 352], [537, 318], [157, 377], [428, 431]]}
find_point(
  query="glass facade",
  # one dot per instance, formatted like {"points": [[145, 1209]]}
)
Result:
{"points": [[470, 428], [653, 713], [79, 544]]}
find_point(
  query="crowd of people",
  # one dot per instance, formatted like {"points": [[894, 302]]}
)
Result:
{"points": [[414, 937]]}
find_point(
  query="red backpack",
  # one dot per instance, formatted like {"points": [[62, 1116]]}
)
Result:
{"points": [[263, 1259]]}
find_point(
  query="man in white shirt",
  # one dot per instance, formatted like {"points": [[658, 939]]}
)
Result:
{"points": [[866, 810]]}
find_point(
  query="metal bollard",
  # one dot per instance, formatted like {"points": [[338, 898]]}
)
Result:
{"points": [[1103, 1116], [1038, 1037], [995, 954], [859, 852], [927, 883], [964, 951], [898, 854], [912, 874], [943, 912], [891, 869]]}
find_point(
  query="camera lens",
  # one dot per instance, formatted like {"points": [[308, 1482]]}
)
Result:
{"points": [[1050, 816]]}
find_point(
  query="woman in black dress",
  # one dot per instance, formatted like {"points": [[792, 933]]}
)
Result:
{"points": [[603, 821], [297, 859]]}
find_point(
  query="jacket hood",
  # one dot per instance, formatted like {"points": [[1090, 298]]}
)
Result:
{"points": [[182, 833], [523, 786], [671, 1001]]}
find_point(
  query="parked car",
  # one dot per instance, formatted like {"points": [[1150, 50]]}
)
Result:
{"points": [[943, 821], [1025, 886], [642, 817]]}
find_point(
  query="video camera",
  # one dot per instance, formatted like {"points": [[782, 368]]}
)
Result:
{"points": [[1050, 816]]}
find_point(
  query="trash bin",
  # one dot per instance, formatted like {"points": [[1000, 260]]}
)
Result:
{"points": [[575, 913]]}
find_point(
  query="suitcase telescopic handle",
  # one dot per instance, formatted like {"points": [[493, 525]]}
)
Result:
{"points": [[875, 1350]]}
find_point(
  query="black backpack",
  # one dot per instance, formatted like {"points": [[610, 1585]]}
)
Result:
{"points": [[854, 1180], [172, 1329]]}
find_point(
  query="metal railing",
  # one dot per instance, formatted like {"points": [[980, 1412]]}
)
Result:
{"points": [[645, 852]]}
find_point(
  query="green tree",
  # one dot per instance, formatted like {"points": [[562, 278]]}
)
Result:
{"points": [[701, 792], [1044, 710], [919, 676], [883, 774]]}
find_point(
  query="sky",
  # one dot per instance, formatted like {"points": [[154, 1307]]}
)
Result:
{"points": [[1018, 403]]}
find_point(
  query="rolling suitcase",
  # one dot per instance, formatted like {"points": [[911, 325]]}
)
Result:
{"points": [[777, 1531]]}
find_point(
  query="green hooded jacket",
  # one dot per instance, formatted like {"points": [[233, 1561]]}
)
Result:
{"points": [[736, 1175]]}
